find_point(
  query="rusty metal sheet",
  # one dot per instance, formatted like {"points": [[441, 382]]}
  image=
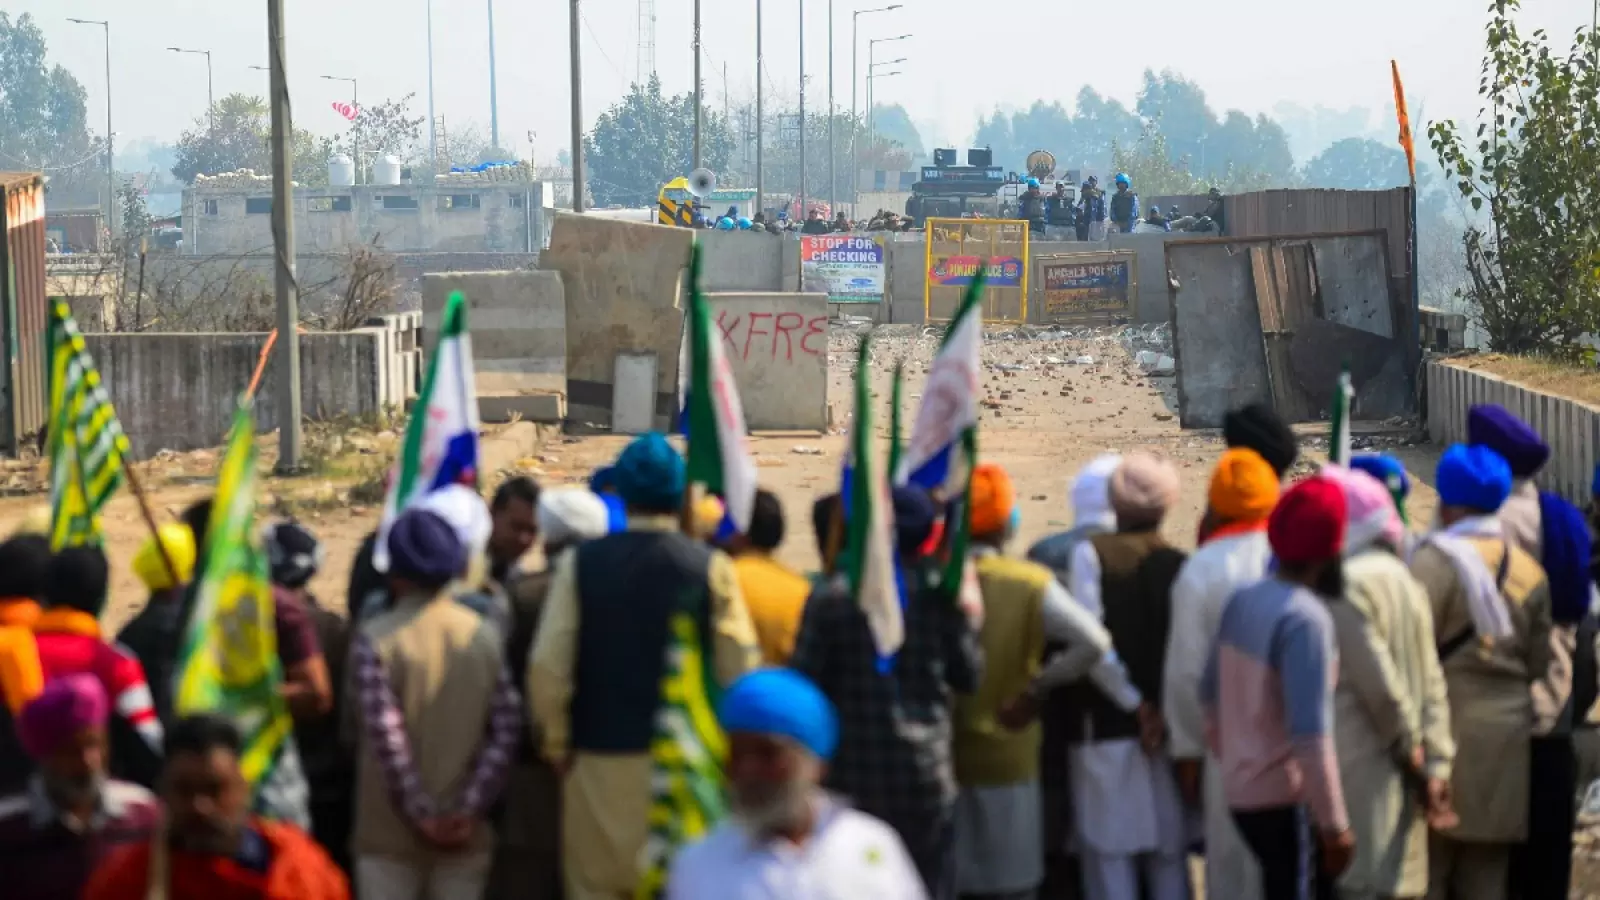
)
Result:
{"points": [[23, 311], [1216, 335]]}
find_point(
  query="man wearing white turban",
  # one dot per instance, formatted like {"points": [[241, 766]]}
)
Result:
{"points": [[1090, 493]]}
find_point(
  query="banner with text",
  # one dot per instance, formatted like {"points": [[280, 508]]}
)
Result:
{"points": [[957, 271], [848, 269], [1084, 287]]}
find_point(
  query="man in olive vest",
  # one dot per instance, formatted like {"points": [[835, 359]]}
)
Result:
{"points": [[594, 677], [1129, 813], [999, 853]]}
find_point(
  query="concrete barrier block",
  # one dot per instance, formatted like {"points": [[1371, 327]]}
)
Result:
{"points": [[518, 322], [777, 344], [622, 282], [526, 407]]}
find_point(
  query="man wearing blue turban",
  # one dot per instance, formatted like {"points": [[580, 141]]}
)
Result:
{"points": [[785, 829], [1491, 614], [594, 676], [1556, 534]]}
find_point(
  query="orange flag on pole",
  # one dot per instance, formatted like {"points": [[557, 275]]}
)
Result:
{"points": [[1406, 142]]}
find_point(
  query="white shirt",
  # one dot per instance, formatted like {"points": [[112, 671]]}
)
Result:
{"points": [[1205, 584], [850, 856]]}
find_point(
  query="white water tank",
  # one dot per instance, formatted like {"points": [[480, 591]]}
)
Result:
{"points": [[387, 171], [341, 171]]}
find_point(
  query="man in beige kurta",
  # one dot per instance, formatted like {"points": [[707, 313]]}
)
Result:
{"points": [[595, 670], [1492, 648], [1391, 712]]}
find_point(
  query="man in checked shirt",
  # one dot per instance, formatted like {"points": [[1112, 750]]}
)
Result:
{"points": [[894, 754], [438, 721]]}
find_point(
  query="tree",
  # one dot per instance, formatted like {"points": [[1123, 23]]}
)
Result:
{"points": [[1535, 166], [1178, 107], [236, 135], [892, 123], [1358, 164], [386, 129], [1149, 165], [44, 115], [647, 139]]}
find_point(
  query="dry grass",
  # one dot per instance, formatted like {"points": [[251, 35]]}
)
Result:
{"points": [[1565, 379]]}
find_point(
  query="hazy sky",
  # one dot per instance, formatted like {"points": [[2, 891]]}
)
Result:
{"points": [[963, 57]]}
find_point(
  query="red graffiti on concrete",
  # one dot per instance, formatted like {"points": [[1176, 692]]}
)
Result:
{"points": [[773, 335]]}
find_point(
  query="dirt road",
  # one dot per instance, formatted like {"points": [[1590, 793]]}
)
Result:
{"points": [[1053, 400]]}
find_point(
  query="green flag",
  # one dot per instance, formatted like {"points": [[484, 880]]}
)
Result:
{"points": [[1339, 420], [228, 662], [86, 444]]}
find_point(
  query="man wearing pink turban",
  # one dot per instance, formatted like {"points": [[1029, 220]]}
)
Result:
{"points": [[71, 816], [1391, 712]]}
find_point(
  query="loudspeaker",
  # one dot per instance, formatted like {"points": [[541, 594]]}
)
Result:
{"points": [[982, 157]]}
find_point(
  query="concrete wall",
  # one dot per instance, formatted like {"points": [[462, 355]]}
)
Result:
{"points": [[507, 217], [736, 261], [777, 345], [518, 322], [623, 282], [179, 391], [1572, 429]]}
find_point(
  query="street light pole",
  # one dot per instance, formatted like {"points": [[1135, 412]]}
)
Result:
{"points": [[211, 98], [872, 46], [111, 168], [288, 398], [577, 113], [870, 89], [494, 104], [833, 177], [355, 124], [433, 123], [800, 209], [855, 79]]}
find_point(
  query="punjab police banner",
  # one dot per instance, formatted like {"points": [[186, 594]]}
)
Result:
{"points": [[848, 269], [1087, 287]]}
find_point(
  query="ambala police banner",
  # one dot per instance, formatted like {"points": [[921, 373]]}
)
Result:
{"points": [[1086, 286], [848, 269]]}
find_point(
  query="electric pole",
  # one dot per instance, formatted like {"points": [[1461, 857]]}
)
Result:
{"points": [[577, 113], [283, 246], [761, 202]]}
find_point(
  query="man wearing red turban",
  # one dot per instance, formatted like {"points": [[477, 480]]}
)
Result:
{"points": [[1267, 692]]}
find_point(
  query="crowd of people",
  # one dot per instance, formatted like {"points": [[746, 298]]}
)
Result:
{"points": [[815, 223], [1321, 700]]}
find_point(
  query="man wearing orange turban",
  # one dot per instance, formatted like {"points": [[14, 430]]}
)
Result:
{"points": [[1244, 490], [998, 821]]}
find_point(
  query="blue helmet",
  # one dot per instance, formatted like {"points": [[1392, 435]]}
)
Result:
{"points": [[724, 224], [1032, 181], [1122, 178], [744, 223]]}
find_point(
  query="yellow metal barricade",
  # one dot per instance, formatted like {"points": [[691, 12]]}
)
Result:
{"points": [[955, 250]]}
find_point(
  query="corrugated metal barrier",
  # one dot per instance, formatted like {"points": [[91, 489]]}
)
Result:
{"points": [[23, 312], [1572, 429]]}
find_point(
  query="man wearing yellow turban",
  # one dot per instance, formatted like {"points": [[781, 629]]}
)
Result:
{"points": [[1244, 491]]}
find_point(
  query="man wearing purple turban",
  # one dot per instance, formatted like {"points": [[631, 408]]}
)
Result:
{"points": [[71, 816]]}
